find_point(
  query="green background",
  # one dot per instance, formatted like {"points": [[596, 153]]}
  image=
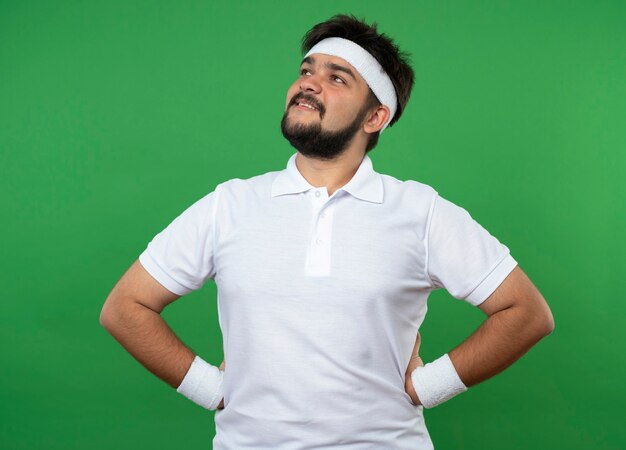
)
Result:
{"points": [[115, 116]]}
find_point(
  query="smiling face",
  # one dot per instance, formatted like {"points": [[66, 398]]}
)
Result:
{"points": [[337, 93]]}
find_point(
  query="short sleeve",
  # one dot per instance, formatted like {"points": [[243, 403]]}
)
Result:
{"points": [[181, 256], [462, 256]]}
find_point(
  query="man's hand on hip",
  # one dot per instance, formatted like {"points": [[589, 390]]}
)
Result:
{"points": [[221, 405], [414, 362]]}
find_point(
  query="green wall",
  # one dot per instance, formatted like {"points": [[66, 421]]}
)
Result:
{"points": [[115, 116]]}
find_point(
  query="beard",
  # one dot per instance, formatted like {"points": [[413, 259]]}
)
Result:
{"points": [[312, 141]]}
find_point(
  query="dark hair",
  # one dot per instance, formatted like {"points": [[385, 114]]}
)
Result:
{"points": [[394, 61]]}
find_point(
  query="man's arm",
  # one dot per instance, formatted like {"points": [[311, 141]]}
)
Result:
{"points": [[132, 314], [518, 318]]}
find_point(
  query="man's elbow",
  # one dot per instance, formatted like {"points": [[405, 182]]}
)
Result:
{"points": [[538, 321], [549, 323], [108, 314], [105, 316], [544, 321]]}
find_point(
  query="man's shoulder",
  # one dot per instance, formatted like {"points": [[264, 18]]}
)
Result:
{"points": [[248, 184], [398, 186]]}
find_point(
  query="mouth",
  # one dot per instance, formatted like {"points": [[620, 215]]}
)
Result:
{"points": [[304, 106]]}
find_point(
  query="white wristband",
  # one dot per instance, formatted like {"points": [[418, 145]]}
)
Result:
{"points": [[203, 384], [437, 382]]}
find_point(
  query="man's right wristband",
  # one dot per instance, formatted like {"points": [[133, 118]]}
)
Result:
{"points": [[437, 382], [203, 384]]}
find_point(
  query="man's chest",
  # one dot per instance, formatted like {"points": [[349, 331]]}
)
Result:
{"points": [[349, 245]]}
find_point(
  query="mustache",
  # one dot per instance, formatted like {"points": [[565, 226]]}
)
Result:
{"points": [[308, 99]]}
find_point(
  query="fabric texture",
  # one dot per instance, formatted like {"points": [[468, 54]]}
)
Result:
{"points": [[320, 299], [202, 384], [437, 382]]}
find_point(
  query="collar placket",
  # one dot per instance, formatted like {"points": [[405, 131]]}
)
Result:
{"points": [[319, 251]]}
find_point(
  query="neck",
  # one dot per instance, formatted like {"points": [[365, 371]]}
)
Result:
{"points": [[330, 174]]}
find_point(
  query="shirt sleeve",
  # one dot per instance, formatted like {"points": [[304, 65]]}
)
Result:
{"points": [[462, 256], [181, 256]]}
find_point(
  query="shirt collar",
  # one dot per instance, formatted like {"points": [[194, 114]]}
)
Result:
{"points": [[366, 184]]}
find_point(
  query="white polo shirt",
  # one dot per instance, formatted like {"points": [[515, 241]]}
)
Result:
{"points": [[320, 299]]}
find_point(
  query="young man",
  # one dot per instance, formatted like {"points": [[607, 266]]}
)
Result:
{"points": [[323, 271]]}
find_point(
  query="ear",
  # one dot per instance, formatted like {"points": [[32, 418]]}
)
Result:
{"points": [[377, 119]]}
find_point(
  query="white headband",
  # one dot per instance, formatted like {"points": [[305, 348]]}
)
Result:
{"points": [[367, 66]]}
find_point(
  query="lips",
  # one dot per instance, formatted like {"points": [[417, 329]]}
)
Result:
{"points": [[301, 101], [305, 108]]}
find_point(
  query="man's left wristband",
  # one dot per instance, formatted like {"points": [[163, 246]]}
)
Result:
{"points": [[203, 384], [437, 382]]}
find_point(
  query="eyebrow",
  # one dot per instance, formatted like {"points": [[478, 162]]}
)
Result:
{"points": [[330, 65]]}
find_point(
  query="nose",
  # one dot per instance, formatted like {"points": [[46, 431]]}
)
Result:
{"points": [[310, 83]]}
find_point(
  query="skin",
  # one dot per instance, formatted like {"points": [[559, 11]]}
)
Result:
{"points": [[517, 314], [340, 102]]}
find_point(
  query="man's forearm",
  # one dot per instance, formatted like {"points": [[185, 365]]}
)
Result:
{"points": [[499, 341], [148, 338]]}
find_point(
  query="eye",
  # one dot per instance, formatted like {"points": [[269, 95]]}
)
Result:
{"points": [[333, 77]]}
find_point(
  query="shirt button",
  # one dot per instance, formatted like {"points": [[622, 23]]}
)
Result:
{"points": [[322, 215], [317, 193], [319, 241]]}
